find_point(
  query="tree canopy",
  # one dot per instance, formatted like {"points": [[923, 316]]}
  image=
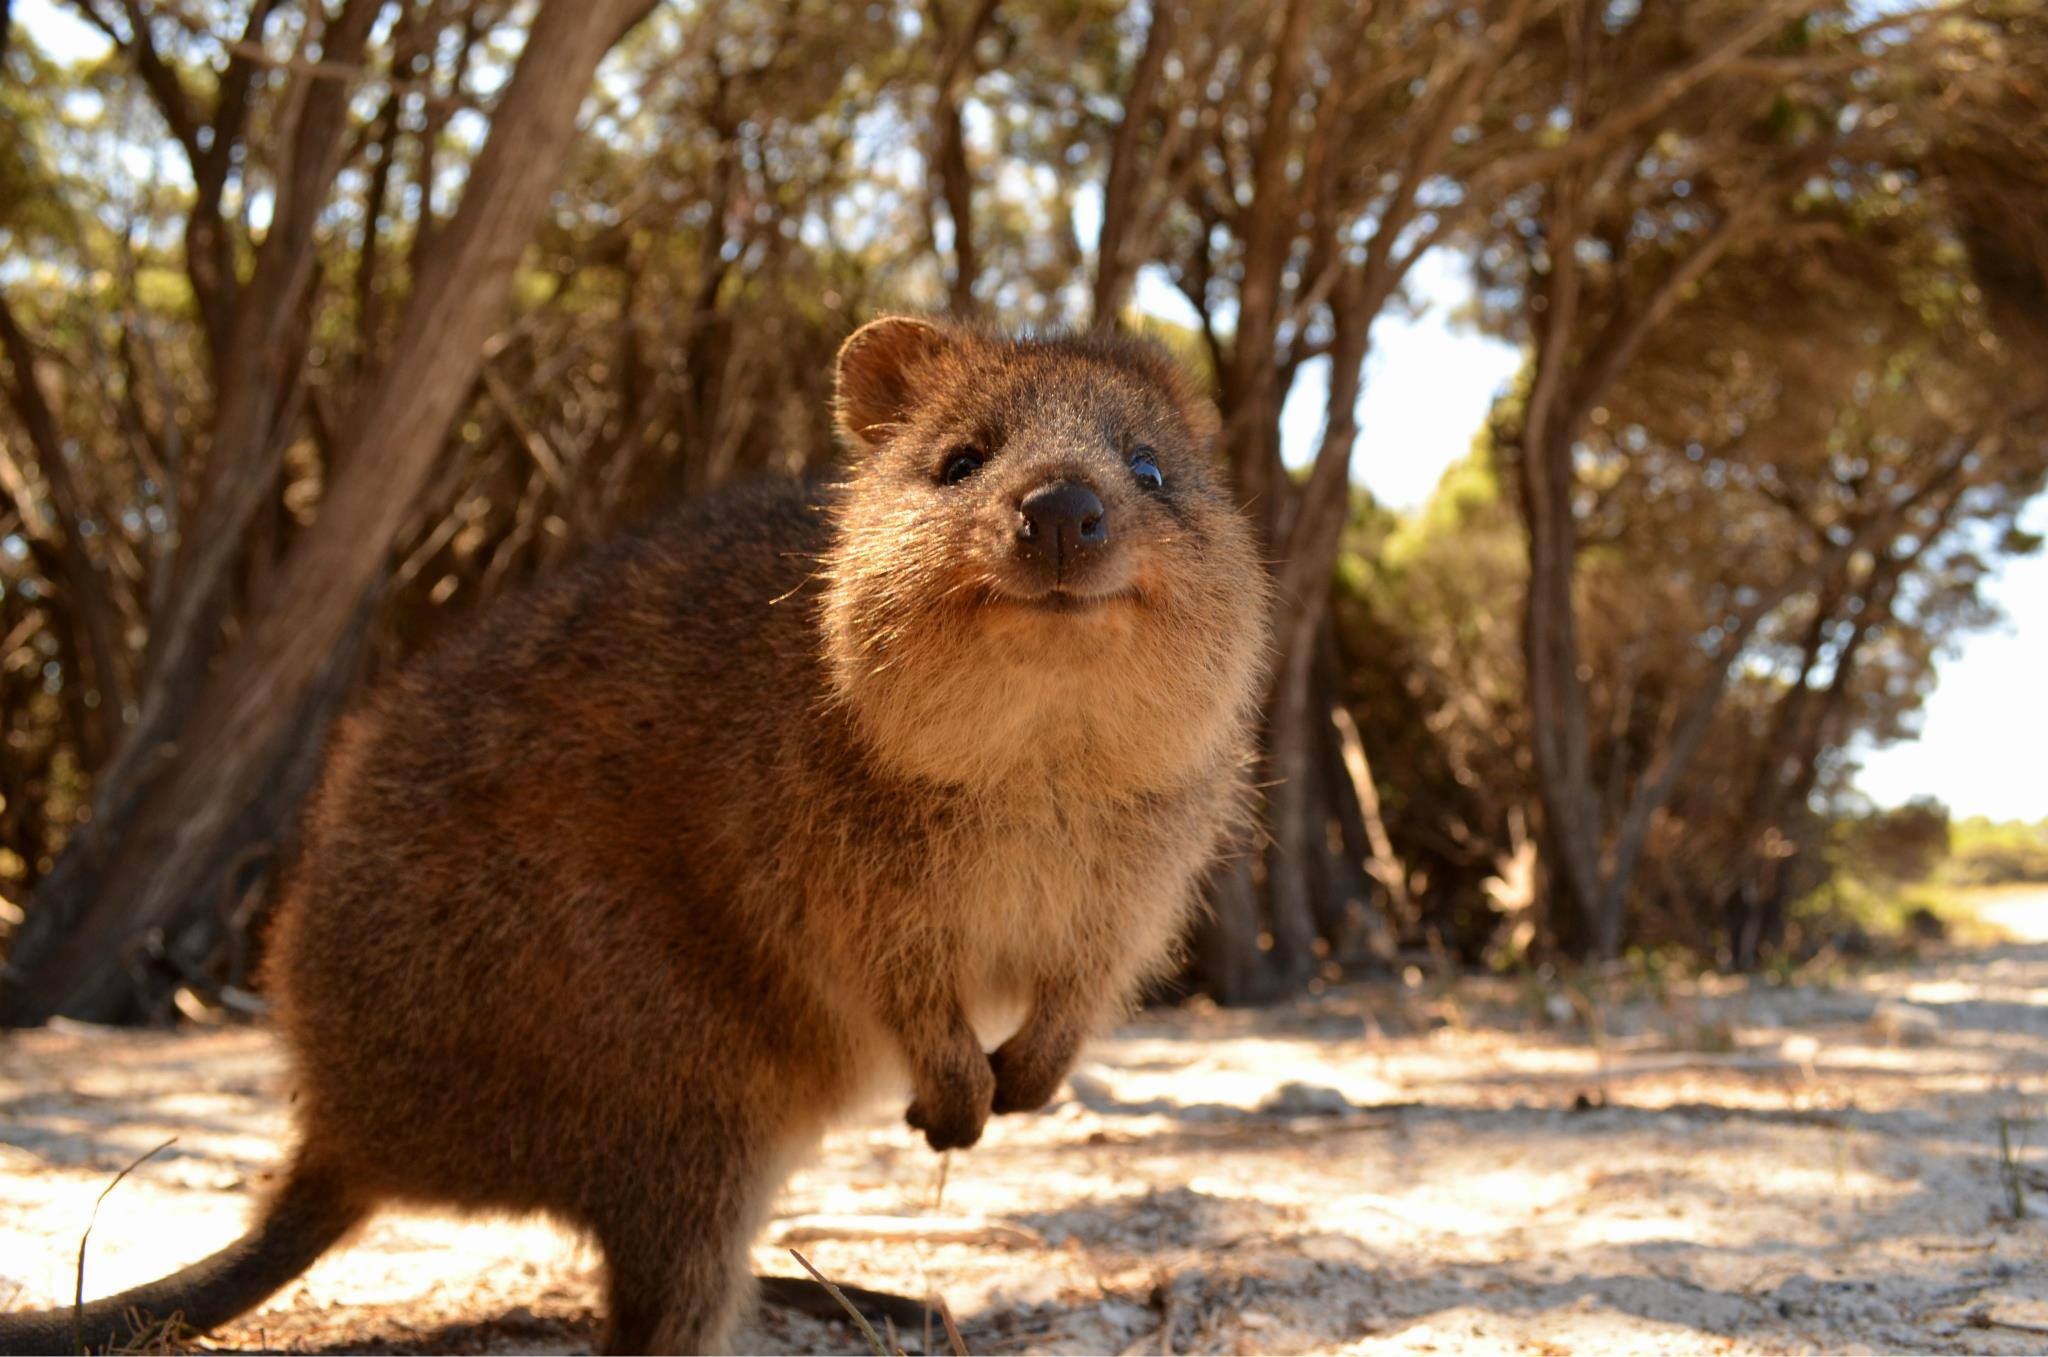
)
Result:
{"points": [[322, 325]]}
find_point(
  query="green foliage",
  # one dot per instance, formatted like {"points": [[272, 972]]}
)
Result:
{"points": [[1902, 845], [1857, 914], [1986, 852], [1910, 872], [1425, 609]]}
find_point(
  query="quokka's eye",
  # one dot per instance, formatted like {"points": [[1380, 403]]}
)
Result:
{"points": [[1145, 468], [963, 462]]}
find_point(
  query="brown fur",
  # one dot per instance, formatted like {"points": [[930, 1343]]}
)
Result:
{"points": [[809, 796]]}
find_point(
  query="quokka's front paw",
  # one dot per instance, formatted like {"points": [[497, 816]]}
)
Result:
{"points": [[952, 1110], [1027, 1075]]}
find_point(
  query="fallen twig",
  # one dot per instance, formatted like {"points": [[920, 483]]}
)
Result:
{"points": [[867, 1330], [809, 1229], [806, 1296]]}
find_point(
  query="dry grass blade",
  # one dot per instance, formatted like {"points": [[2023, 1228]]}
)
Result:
{"points": [[953, 1337], [2012, 1146], [78, 1278], [867, 1330], [163, 1335], [1984, 1319]]}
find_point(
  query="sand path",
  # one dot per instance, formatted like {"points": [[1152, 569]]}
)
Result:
{"points": [[1732, 1167]]}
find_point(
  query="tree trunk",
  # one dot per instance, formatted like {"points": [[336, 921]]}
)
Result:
{"points": [[1117, 253], [241, 730], [1293, 824], [210, 951], [1224, 961], [949, 145], [1288, 891], [186, 608]]}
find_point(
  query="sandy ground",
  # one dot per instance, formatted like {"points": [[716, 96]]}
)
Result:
{"points": [[1724, 1168]]}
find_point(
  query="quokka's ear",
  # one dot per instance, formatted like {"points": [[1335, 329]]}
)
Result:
{"points": [[1203, 418], [877, 373], [1154, 360]]}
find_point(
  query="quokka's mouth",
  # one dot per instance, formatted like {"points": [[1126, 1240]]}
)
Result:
{"points": [[1069, 601]]}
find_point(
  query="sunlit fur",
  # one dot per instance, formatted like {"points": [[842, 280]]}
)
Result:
{"points": [[610, 907]]}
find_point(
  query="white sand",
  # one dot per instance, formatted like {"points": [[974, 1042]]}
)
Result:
{"points": [[1773, 1170]]}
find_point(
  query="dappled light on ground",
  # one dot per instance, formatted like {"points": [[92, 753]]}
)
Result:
{"points": [[1392, 1168]]}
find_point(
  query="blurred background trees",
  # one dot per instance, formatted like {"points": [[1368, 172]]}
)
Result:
{"points": [[322, 325]]}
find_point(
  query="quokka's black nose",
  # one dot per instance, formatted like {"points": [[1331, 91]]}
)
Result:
{"points": [[1060, 524]]}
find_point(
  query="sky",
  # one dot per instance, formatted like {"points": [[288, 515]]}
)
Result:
{"points": [[1983, 747]]}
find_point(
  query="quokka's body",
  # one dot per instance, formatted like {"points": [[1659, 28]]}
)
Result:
{"points": [[811, 795]]}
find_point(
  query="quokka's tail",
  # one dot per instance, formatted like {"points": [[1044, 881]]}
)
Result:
{"points": [[306, 1217]]}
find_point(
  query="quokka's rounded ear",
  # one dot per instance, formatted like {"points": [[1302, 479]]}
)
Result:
{"points": [[1156, 362], [1203, 418], [877, 369]]}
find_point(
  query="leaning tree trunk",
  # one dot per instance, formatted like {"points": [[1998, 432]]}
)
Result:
{"points": [[1286, 904], [1558, 726], [1296, 814], [149, 889], [1282, 900]]}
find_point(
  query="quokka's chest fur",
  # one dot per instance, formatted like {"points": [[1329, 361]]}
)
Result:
{"points": [[1024, 895]]}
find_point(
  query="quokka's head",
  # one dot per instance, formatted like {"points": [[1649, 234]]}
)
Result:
{"points": [[1038, 573]]}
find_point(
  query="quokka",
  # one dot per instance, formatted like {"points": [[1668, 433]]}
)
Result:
{"points": [[896, 785]]}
